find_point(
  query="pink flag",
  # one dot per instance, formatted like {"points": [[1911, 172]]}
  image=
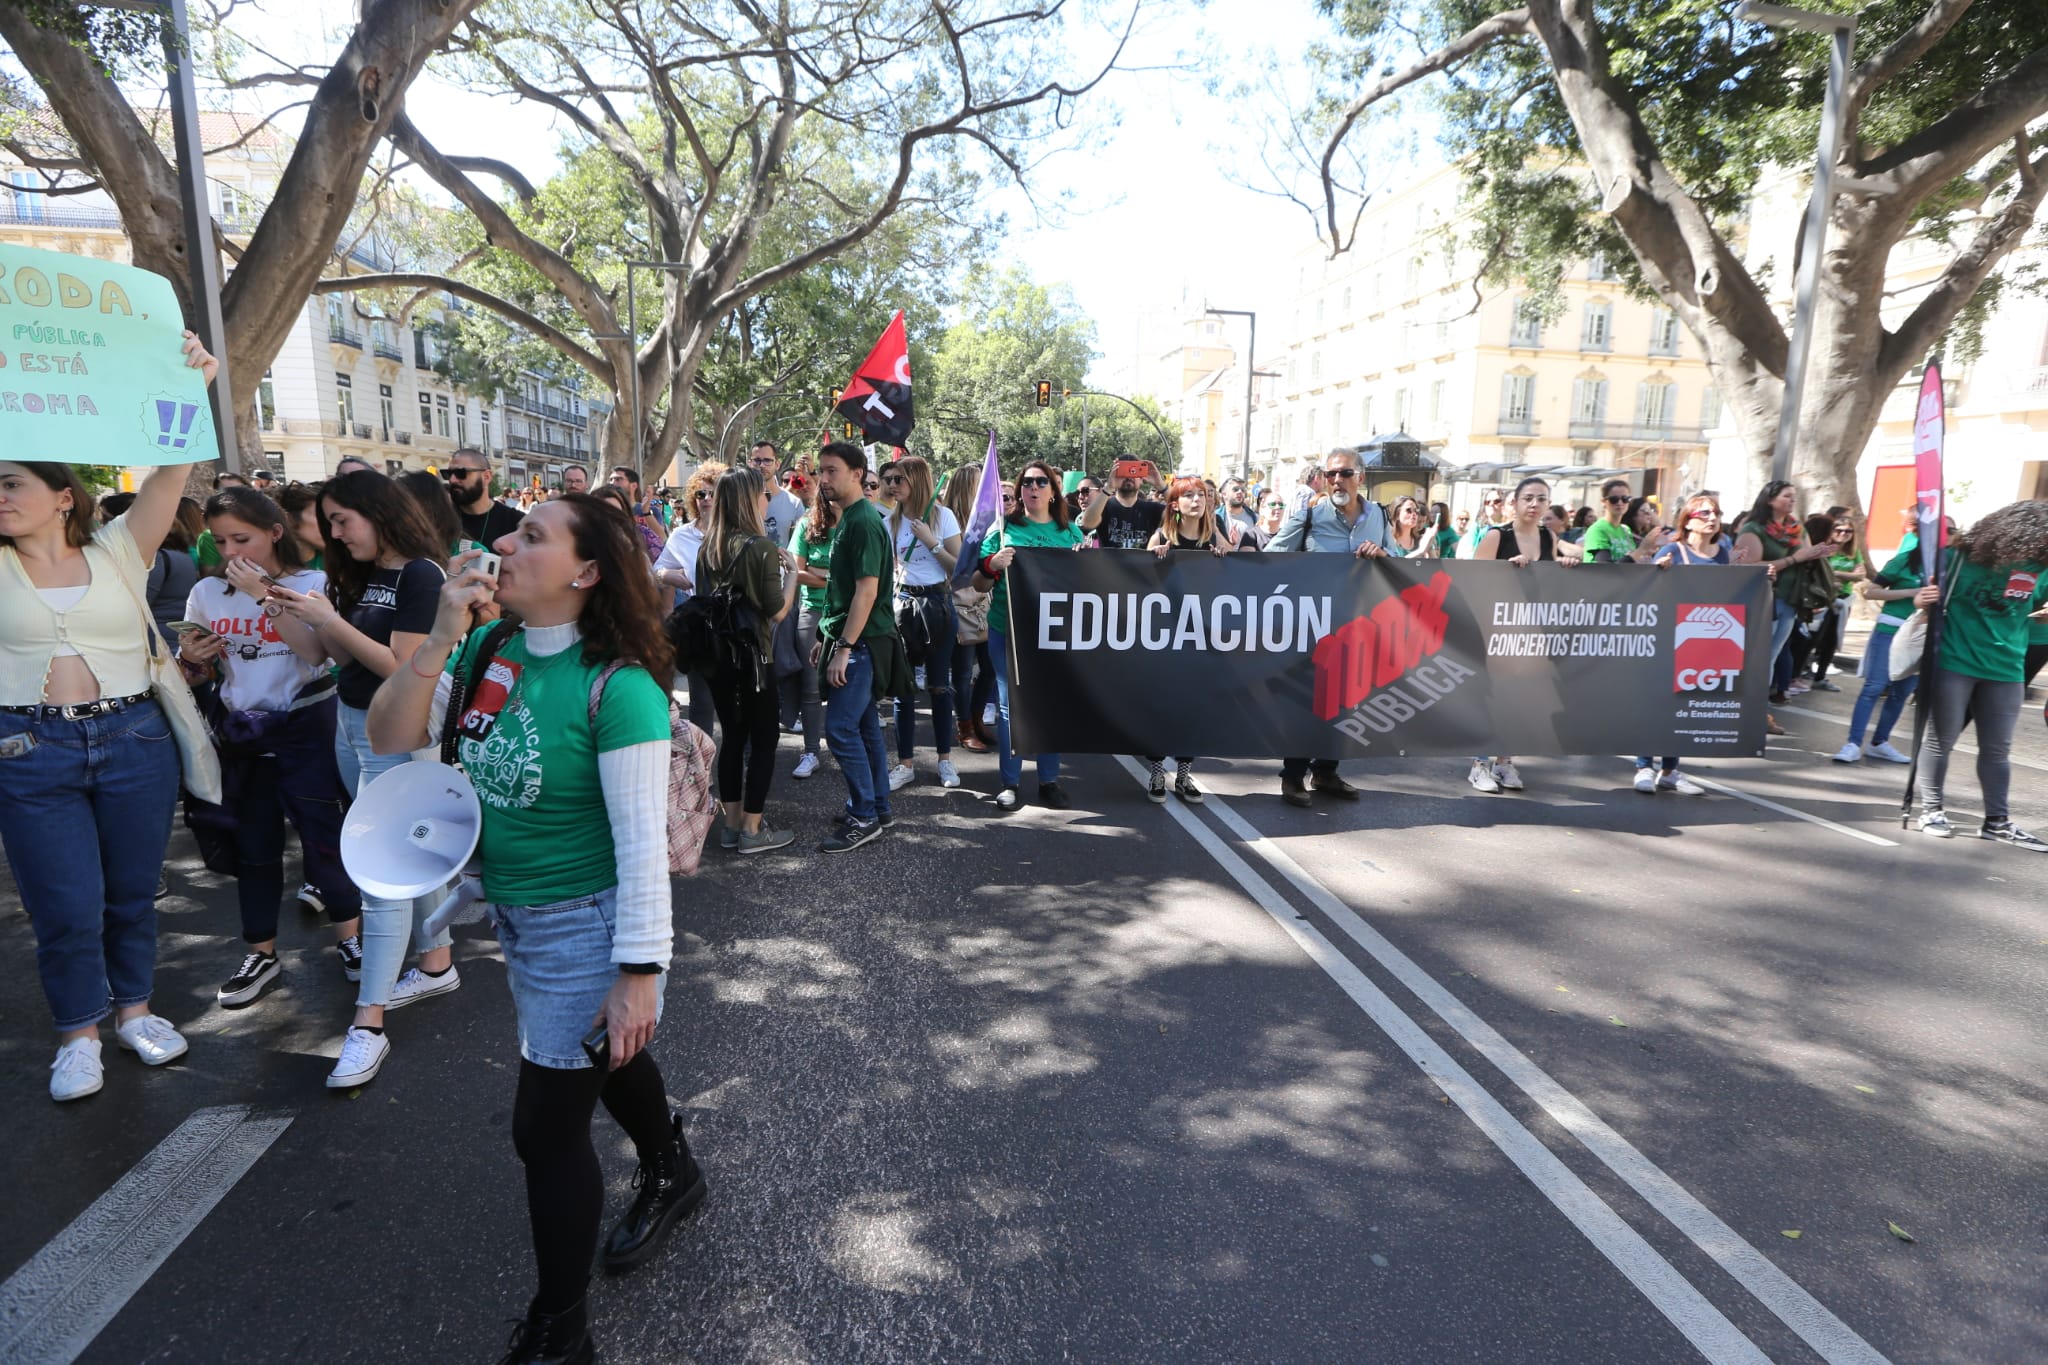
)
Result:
{"points": [[1928, 431]]}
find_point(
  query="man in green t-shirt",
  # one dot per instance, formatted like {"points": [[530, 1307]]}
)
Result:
{"points": [[858, 614]]}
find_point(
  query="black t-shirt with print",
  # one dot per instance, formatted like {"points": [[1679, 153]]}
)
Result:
{"points": [[1129, 528], [487, 526], [401, 601]]}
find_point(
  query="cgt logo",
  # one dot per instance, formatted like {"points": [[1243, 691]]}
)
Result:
{"points": [[1707, 652], [1374, 650]]}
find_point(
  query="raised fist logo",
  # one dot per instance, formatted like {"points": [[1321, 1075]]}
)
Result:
{"points": [[1707, 650]]}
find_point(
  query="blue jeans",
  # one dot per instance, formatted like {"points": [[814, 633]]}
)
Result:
{"points": [[1877, 683], [387, 924], [853, 731], [938, 684], [85, 814], [1012, 765], [1783, 620], [559, 960]]}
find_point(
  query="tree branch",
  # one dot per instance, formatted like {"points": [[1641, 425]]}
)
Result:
{"points": [[1502, 25], [1910, 47], [426, 282], [1952, 144], [1923, 327]]}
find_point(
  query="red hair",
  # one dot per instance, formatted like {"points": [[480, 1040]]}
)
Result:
{"points": [[1205, 523]]}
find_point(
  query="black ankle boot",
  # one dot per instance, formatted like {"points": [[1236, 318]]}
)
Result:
{"points": [[671, 1187], [552, 1339]]}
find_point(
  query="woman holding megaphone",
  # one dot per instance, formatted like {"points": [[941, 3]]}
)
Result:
{"points": [[564, 731], [88, 761]]}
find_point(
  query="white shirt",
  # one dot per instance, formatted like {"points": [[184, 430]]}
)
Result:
{"points": [[681, 553], [785, 510], [922, 568], [259, 672]]}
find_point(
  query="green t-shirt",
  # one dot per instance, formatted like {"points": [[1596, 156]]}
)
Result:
{"points": [[1902, 570], [528, 748], [1023, 535], [1984, 631], [1843, 565], [206, 551], [1447, 544], [860, 549], [1611, 536], [817, 557]]}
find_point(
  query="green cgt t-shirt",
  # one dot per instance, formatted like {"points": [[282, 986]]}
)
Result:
{"points": [[1611, 536], [1984, 630], [1023, 534], [528, 748], [861, 548]]}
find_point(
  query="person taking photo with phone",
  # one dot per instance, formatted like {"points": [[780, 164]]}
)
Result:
{"points": [[564, 731], [1128, 520]]}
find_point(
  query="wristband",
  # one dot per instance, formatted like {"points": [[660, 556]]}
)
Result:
{"points": [[413, 663], [640, 968]]}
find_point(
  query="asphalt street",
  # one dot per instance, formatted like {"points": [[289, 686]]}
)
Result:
{"points": [[1435, 1076]]}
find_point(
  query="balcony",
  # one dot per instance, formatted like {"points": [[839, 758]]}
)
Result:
{"points": [[33, 210], [521, 403], [311, 426], [1516, 426], [384, 350], [1526, 338], [403, 438], [344, 336], [1636, 433], [361, 430]]}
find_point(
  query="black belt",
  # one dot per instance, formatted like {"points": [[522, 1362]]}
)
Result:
{"points": [[82, 710], [925, 589]]}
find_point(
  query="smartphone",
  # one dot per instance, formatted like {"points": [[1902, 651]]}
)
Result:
{"points": [[1141, 470], [487, 564], [180, 627], [597, 1045]]}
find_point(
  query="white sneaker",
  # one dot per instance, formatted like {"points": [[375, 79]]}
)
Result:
{"points": [[1509, 779], [417, 985], [1850, 753], [901, 776], [988, 716], [362, 1052], [949, 776], [806, 765], [1482, 777], [1889, 754], [77, 1071], [1680, 783], [1646, 781], [151, 1037]]}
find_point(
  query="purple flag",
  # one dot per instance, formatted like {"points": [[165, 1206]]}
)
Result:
{"points": [[988, 509]]}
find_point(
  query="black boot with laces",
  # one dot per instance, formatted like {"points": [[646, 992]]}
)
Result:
{"points": [[552, 1339], [670, 1187]]}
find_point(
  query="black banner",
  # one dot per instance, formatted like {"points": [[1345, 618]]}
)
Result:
{"points": [[1323, 655]]}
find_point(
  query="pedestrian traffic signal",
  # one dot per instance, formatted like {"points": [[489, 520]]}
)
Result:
{"points": [[1045, 393]]}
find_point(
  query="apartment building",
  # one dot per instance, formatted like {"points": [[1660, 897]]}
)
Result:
{"points": [[1398, 335]]}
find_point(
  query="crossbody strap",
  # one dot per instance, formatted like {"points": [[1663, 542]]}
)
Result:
{"points": [[466, 682]]}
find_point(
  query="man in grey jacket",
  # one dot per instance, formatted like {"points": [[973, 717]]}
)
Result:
{"points": [[1344, 522]]}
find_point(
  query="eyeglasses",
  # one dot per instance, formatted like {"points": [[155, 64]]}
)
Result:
{"points": [[1342, 473], [1276, 507], [1034, 481]]}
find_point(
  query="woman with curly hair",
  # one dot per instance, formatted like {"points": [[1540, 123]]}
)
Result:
{"points": [[1996, 576], [567, 741]]}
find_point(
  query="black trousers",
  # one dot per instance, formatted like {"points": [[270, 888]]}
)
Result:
{"points": [[748, 721]]}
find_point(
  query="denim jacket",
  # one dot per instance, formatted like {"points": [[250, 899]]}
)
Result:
{"points": [[1322, 527]]}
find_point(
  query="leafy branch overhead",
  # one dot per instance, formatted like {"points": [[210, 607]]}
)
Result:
{"points": [[1653, 124]]}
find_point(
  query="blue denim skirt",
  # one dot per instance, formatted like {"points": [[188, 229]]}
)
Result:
{"points": [[559, 959]]}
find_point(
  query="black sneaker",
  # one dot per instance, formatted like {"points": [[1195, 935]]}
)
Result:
{"points": [[887, 819], [1008, 799], [350, 951], [2009, 833], [1184, 787], [850, 835], [1051, 796], [1329, 784], [251, 979], [1157, 791], [1295, 792], [310, 899]]}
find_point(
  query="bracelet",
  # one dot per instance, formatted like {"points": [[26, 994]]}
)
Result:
{"points": [[413, 664]]}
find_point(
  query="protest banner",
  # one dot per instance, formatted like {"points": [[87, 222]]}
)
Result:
{"points": [[91, 367], [1314, 655]]}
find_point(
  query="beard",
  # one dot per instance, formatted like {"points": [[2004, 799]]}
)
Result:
{"points": [[1127, 486]]}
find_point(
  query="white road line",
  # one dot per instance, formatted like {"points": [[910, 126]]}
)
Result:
{"points": [[1672, 1295], [1961, 748], [1794, 812], [1827, 1334], [52, 1308]]}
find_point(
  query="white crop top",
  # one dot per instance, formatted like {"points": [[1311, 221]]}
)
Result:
{"points": [[101, 624]]}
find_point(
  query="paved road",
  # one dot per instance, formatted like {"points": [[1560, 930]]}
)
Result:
{"points": [[1437, 1076]]}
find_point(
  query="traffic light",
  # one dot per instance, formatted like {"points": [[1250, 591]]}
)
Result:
{"points": [[852, 432], [1045, 393]]}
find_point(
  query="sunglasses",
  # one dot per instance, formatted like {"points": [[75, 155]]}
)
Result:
{"points": [[1034, 481], [459, 473], [894, 478], [1703, 516], [1617, 501], [702, 495], [1342, 473], [1276, 507], [871, 485]]}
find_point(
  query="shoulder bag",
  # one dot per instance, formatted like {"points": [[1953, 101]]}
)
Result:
{"points": [[197, 760]]}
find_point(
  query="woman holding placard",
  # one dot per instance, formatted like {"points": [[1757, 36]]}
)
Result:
{"points": [[89, 767], [564, 730]]}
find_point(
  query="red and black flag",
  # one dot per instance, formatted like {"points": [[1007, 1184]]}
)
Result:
{"points": [[877, 398]]}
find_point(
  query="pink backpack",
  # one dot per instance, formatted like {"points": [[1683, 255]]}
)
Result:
{"points": [[692, 802]]}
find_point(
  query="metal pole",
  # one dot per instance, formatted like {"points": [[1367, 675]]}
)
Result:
{"points": [[1244, 471], [202, 257], [633, 379], [1812, 242], [1084, 431]]}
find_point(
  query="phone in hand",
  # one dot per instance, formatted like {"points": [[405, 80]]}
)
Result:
{"points": [[1141, 470], [181, 627], [597, 1045], [486, 563]]}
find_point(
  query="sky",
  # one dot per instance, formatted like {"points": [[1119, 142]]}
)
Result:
{"points": [[1153, 218]]}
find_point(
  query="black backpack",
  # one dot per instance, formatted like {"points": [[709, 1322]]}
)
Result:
{"points": [[714, 633]]}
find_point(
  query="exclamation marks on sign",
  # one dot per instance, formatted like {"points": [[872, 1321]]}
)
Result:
{"points": [[174, 423]]}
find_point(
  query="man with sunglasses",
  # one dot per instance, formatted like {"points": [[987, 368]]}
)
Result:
{"points": [[778, 523], [1235, 513], [1126, 521], [1345, 522], [484, 518]]}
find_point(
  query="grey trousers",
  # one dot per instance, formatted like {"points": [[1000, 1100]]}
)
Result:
{"points": [[1956, 699]]}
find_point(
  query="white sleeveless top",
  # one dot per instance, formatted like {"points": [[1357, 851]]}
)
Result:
{"points": [[102, 623]]}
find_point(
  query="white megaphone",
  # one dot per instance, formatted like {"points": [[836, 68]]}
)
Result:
{"points": [[411, 831]]}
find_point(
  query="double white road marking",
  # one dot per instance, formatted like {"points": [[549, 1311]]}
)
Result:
{"points": [[1667, 1289]]}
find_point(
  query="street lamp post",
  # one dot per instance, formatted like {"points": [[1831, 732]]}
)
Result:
{"points": [[1244, 468], [1841, 30]]}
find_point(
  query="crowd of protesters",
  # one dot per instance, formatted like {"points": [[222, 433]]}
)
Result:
{"points": [[328, 634]]}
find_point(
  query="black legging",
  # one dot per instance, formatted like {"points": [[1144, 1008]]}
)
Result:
{"points": [[564, 1183], [748, 722]]}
